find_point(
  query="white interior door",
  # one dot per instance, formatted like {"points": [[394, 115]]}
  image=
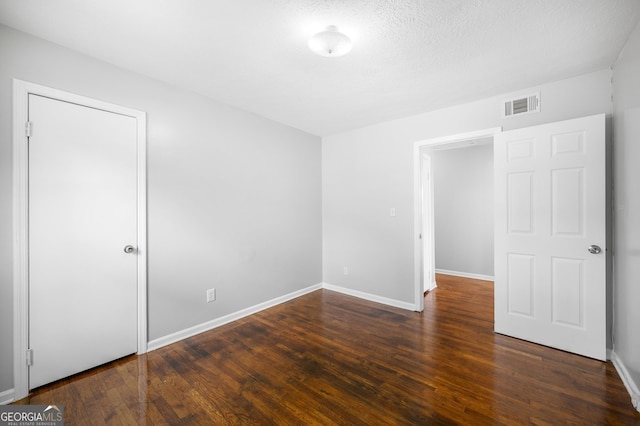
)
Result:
{"points": [[428, 246], [82, 201], [550, 209]]}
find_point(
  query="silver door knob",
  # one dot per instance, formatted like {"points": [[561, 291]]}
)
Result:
{"points": [[593, 249], [129, 249]]}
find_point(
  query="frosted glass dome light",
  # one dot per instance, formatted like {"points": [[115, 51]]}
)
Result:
{"points": [[330, 43]]}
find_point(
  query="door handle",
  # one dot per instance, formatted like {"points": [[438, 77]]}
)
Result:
{"points": [[129, 249], [594, 249]]}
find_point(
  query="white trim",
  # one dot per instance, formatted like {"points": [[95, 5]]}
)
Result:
{"points": [[417, 230], [21, 90], [460, 137], [417, 201], [210, 325], [20, 249], [371, 297], [6, 397], [465, 275], [141, 127], [629, 383]]}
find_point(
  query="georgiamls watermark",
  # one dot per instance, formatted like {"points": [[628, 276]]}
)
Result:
{"points": [[31, 415]]}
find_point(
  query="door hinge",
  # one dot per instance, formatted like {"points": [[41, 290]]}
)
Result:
{"points": [[28, 129], [29, 357]]}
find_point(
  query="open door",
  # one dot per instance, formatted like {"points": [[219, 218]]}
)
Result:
{"points": [[427, 234], [550, 235]]}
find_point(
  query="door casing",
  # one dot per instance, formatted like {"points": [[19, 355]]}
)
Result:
{"points": [[21, 90]]}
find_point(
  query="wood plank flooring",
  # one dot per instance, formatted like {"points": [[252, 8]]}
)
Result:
{"points": [[326, 358]]}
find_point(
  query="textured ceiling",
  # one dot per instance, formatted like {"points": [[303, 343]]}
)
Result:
{"points": [[408, 57]]}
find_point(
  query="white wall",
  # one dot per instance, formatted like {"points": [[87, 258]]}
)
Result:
{"points": [[463, 209], [367, 171], [626, 147], [234, 200]]}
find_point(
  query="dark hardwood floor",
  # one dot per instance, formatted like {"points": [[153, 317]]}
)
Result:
{"points": [[326, 358]]}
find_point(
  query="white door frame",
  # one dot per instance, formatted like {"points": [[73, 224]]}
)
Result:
{"points": [[21, 91], [422, 246]]}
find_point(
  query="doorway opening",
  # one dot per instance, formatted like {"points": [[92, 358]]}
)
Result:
{"points": [[424, 198], [462, 177]]}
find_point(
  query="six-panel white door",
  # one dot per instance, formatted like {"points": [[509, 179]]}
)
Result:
{"points": [[550, 207], [82, 214]]}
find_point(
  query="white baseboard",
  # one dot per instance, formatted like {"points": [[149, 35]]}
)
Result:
{"points": [[370, 297], [465, 275], [209, 325], [628, 381], [6, 397]]}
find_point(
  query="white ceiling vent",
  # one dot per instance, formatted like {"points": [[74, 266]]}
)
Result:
{"points": [[522, 105]]}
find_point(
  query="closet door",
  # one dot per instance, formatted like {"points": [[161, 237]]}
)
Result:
{"points": [[82, 238]]}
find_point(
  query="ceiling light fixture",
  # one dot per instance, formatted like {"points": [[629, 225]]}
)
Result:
{"points": [[330, 42]]}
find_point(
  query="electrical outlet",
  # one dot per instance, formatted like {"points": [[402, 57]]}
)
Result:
{"points": [[211, 295], [345, 270], [392, 212]]}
